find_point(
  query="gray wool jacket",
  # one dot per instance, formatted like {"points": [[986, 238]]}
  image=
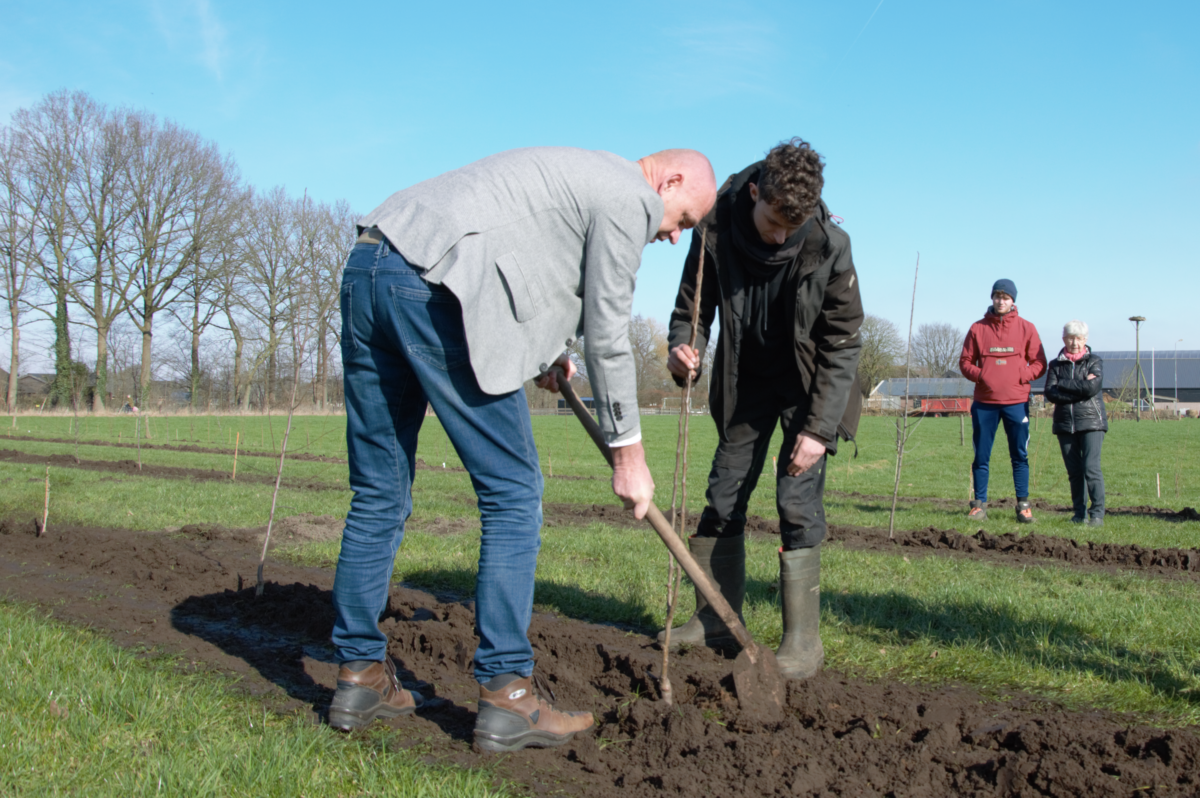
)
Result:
{"points": [[540, 246]]}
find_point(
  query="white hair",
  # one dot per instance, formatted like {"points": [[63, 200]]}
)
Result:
{"points": [[1075, 327]]}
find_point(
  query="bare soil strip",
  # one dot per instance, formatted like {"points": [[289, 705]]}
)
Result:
{"points": [[166, 447], [1006, 549], [129, 468], [180, 593]]}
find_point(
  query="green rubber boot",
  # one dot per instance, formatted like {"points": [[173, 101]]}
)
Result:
{"points": [[724, 560], [800, 652]]}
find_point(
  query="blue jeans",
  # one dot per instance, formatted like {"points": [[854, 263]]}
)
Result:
{"points": [[403, 345], [985, 419]]}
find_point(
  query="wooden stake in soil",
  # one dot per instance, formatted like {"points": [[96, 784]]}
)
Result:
{"points": [[1158, 484], [46, 508], [674, 572], [233, 476], [137, 434]]}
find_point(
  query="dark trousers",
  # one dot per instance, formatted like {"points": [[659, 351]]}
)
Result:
{"points": [[985, 420], [741, 454], [1081, 456]]}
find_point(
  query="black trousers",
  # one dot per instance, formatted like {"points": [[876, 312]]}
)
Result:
{"points": [[741, 454], [1081, 456]]}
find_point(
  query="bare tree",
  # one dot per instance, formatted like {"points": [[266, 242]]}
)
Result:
{"points": [[20, 205], [171, 173], [101, 210], [882, 350], [53, 132], [326, 235], [936, 348], [648, 340], [272, 273], [213, 223]]}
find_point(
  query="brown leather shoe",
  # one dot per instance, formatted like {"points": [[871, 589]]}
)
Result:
{"points": [[512, 717], [369, 690]]}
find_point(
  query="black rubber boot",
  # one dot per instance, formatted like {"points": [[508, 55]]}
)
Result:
{"points": [[800, 652], [724, 560]]}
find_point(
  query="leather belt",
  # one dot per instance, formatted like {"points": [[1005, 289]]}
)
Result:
{"points": [[371, 235]]}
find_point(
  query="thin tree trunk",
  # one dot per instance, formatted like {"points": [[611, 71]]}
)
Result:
{"points": [[101, 395], [14, 363], [902, 421], [61, 387], [258, 590], [195, 376]]}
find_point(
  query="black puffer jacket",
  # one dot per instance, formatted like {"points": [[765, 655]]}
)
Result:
{"points": [[1078, 401], [826, 315]]}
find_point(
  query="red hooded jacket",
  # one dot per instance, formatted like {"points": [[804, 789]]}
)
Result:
{"points": [[1002, 356]]}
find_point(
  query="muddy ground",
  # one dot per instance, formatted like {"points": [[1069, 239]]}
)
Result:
{"points": [[190, 592]]}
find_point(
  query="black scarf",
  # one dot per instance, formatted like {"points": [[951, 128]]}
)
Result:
{"points": [[765, 265]]}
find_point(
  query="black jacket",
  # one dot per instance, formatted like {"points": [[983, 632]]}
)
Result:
{"points": [[827, 314], [1078, 401]]}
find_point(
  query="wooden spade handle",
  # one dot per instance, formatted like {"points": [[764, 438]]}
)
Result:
{"points": [[663, 528]]}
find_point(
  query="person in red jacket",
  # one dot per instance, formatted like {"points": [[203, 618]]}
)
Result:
{"points": [[1002, 356]]}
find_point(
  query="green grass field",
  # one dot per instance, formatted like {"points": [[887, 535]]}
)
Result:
{"points": [[1118, 641]]}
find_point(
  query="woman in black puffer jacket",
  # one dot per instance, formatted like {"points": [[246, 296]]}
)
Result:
{"points": [[1074, 381]]}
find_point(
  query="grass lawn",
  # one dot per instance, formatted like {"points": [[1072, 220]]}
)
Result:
{"points": [[1118, 641], [93, 719]]}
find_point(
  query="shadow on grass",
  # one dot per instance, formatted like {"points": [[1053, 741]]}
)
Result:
{"points": [[1047, 641]]}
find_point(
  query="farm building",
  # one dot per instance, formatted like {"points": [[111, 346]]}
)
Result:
{"points": [[939, 392], [1168, 377]]}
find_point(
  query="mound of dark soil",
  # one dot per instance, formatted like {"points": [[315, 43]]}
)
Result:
{"points": [[192, 593]]}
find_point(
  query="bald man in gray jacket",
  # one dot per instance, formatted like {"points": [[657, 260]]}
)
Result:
{"points": [[459, 290]]}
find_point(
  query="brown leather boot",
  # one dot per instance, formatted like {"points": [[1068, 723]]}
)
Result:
{"points": [[369, 690], [512, 717]]}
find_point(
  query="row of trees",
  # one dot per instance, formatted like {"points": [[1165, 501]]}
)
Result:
{"points": [[112, 220], [935, 351], [117, 227]]}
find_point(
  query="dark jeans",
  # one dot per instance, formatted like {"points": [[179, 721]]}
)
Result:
{"points": [[403, 345], [985, 420], [1081, 456], [741, 454]]}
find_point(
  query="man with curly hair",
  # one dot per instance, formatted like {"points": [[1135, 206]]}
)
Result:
{"points": [[780, 272]]}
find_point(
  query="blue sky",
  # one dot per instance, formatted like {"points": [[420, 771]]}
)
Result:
{"points": [[1053, 143]]}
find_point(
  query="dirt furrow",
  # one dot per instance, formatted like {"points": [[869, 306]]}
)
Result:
{"points": [[186, 593]]}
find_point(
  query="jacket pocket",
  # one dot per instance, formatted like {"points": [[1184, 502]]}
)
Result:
{"points": [[524, 290]]}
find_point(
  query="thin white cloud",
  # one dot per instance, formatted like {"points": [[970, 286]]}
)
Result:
{"points": [[193, 25], [725, 57], [860, 33], [212, 38]]}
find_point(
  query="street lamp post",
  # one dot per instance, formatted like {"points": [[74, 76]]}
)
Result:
{"points": [[1177, 343], [1137, 374]]}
